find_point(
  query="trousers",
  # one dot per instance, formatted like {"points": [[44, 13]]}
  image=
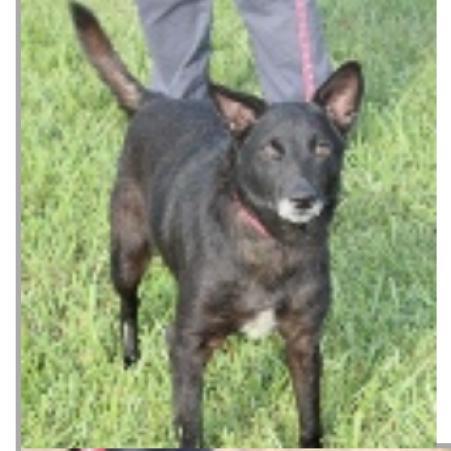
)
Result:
{"points": [[286, 38]]}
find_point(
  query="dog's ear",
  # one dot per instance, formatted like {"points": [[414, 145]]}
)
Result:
{"points": [[340, 96], [240, 111]]}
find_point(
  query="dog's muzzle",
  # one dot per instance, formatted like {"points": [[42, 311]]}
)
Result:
{"points": [[299, 210]]}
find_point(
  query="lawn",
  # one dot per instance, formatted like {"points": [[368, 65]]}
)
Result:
{"points": [[379, 342]]}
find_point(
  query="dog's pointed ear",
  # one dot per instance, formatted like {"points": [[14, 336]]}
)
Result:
{"points": [[340, 96], [239, 111]]}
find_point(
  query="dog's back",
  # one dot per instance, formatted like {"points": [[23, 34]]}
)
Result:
{"points": [[172, 152]]}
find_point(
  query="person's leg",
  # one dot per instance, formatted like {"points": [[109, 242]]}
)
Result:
{"points": [[177, 34], [292, 60]]}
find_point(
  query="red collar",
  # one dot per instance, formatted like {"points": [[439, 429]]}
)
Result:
{"points": [[249, 218]]}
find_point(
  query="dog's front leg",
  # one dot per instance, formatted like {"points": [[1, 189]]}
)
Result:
{"points": [[188, 359], [304, 362]]}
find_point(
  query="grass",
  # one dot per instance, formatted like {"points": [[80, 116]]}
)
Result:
{"points": [[379, 343]]}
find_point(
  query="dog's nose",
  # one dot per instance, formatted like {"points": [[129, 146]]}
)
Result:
{"points": [[303, 202]]}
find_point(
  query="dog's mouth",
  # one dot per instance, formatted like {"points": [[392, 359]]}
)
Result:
{"points": [[299, 211]]}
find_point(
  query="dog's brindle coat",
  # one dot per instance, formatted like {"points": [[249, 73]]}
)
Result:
{"points": [[238, 204]]}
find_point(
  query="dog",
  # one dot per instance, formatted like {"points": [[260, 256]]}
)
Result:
{"points": [[237, 197]]}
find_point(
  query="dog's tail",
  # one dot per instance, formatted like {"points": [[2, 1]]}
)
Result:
{"points": [[128, 91]]}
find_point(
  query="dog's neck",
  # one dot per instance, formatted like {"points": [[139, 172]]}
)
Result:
{"points": [[277, 232], [249, 217]]}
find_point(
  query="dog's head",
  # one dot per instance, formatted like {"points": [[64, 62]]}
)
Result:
{"points": [[288, 156]]}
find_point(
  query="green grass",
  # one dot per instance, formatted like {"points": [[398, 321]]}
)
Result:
{"points": [[379, 343]]}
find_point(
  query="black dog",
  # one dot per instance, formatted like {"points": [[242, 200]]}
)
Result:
{"points": [[238, 204]]}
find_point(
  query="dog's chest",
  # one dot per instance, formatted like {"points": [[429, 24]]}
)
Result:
{"points": [[256, 307], [268, 273], [265, 261]]}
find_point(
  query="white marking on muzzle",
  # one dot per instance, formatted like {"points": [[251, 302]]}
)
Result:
{"points": [[260, 325], [288, 211]]}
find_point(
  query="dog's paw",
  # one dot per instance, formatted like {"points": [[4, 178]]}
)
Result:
{"points": [[130, 360], [310, 442]]}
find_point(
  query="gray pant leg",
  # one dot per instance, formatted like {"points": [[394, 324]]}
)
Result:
{"points": [[292, 60], [178, 37]]}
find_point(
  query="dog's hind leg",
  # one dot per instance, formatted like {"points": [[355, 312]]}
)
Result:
{"points": [[130, 255]]}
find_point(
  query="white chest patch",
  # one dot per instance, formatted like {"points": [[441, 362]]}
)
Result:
{"points": [[261, 325]]}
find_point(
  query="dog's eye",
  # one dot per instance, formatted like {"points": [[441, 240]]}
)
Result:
{"points": [[273, 150], [322, 149]]}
